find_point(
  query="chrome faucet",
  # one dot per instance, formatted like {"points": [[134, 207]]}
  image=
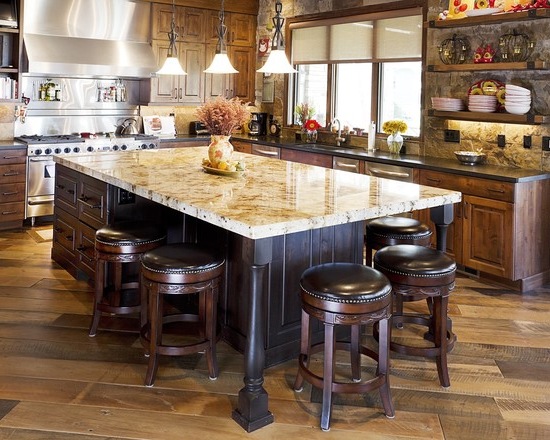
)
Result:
{"points": [[339, 138]]}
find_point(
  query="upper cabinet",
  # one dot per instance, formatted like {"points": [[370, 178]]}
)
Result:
{"points": [[197, 30], [520, 70], [10, 57]]}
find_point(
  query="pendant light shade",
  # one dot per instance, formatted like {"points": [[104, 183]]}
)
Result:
{"points": [[220, 63], [277, 62], [172, 65]]}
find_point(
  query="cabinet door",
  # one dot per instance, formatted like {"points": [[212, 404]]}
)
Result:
{"points": [[161, 20], [241, 29], [93, 202], [215, 84], [164, 88], [488, 227], [191, 86], [321, 160], [244, 60], [192, 23]]}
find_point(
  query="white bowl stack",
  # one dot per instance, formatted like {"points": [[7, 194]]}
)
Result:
{"points": [[447, 104], [482, 103], [517, 100]]}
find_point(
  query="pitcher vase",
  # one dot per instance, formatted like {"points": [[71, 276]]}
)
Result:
{"points": [[219, 150]]}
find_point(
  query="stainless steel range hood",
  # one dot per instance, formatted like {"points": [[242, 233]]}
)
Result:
{"points": [[88, 38]]}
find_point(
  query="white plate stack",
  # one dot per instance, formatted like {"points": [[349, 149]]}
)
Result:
{"points": [[482, 103], [517, 100], [447, 104]]}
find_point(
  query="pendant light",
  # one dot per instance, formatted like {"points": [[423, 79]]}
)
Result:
{"points": [[277, 62], [221, 63], [172, 65]]}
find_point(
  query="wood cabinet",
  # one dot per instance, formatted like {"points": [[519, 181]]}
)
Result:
{"points": [[499, 228], [10, 56], [81, 207], [196, 48], [13, 164], [307, 157], [241, 146]]}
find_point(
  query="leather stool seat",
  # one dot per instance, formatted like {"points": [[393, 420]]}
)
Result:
{"points": [[115, 245], [180, 269], [387, 231], [345, 294], [419, 273]]}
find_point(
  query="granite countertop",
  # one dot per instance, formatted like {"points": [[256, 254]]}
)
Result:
{"points": [[506, 174], [12, 145], [273, 197]]}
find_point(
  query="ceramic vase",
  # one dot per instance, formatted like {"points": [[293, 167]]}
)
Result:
{"points": [[219, 150], [395, 142]]}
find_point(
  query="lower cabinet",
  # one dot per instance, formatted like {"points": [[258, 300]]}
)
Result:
{"points": [[12, 187], [500, 228], [307, 157], [81, 207]]}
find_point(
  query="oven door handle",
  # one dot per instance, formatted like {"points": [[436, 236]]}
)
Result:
{"points": [[40, 202], [41, 159]]}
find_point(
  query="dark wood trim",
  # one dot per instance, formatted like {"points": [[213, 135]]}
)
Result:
{"points": [[242, 6]]}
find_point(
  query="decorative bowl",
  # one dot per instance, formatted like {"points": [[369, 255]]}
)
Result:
{"points": [[470, 157]]}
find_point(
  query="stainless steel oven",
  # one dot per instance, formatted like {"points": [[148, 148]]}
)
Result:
{"points": [[41, 166]]}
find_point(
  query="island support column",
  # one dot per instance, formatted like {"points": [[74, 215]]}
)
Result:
{"points": [[252, 410], [442, 216]]}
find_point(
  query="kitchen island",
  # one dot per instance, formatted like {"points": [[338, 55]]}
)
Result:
{"points": [[274, 221]]}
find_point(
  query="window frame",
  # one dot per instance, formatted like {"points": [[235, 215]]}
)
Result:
{"points": [[376, 12]]}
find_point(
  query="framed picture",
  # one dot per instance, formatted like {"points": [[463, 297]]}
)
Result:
{"points": [[264, 46]]}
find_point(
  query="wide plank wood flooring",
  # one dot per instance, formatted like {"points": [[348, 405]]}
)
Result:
{"points": [[57, 383]]}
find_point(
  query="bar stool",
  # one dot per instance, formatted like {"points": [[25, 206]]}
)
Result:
{"points": [[116, 245], [389, 230], [351, 295], [180, 269], [418, 273]]}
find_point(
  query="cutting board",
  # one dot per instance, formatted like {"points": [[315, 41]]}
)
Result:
{"points": [[159, 125]]}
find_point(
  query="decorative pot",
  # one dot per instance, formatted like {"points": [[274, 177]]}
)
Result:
{"points": [[395, 142], [219, 150]]}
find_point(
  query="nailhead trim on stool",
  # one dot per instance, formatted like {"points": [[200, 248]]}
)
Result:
{"points": [[390, 230], [351, 295], [180, 269], [115, 245], [418, 273]]}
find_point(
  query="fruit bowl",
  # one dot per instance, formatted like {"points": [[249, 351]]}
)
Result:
{"points": [[470, 157]]}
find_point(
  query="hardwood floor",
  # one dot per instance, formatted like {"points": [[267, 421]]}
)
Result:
{"points": [[57, 383]]}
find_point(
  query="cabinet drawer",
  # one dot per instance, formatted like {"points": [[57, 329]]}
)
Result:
{"points": [[66, 190], [64, 230], [12, 211], [13, 156], [242, 146], [12, 192], [85, 248], [92, 202], [13, 173], [492, 189], [346, 164], [267, 151]]}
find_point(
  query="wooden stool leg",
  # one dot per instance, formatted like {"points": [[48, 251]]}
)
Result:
{"points": [[116, 299], [398, 301], [355, 353], [98, 295], [439, 319], [384, 328], [155, 332], [211, 316], [305, 341], [328, 376], [143, 302], [368, 255]]}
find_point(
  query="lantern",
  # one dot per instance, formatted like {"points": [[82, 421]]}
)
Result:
{"points": [[454, 50], [515, 47]]}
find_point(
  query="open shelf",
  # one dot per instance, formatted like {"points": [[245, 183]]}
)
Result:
{"points": [[526, 65], [491, 117], [503, 17]]}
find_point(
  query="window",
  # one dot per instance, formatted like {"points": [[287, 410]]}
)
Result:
{"points": [[360, 68]]}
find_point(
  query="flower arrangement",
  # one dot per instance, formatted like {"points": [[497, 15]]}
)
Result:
{"points": [[221, 115], [312, 125], [394, 126], [304, 112]]}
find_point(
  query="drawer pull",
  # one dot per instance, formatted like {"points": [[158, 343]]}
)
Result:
{"points": [[81, 248], [60, 186], [11, 173], [499, 191], [430, 179], [267, 153], [378, 171], [346, 165], [10, 193], [69, 237], [85, 199], [8, 212], [11, 157], [71, 191]]}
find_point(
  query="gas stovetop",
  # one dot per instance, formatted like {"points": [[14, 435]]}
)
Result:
{"points": [[46, 145]]}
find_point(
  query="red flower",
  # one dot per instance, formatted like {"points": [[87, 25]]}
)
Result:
{"points": [[311, 125]]}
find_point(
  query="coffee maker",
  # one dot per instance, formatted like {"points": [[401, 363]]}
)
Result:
{"points": [[258, 124]]}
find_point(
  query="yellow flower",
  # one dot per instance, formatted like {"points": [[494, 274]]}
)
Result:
{"points": [[394, 126]]}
